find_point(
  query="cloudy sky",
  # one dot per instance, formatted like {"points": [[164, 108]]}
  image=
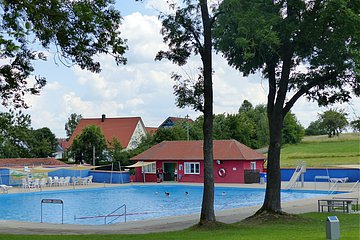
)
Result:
{"points": [[143, 87]]}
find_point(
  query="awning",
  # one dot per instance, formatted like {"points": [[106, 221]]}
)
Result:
{"points": [[43, 170], [38, 169], [80, 167], [140, 164]]}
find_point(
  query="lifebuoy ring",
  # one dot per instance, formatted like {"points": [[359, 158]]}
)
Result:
{"points": [[222, 172]]}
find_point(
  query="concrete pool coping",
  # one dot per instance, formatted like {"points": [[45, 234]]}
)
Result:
{"points": [[167, 223]]}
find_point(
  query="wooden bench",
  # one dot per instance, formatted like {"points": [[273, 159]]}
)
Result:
{"points": [[333, 205], [355, 201]]}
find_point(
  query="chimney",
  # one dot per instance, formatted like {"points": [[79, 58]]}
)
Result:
{"points": [[103, 118]]}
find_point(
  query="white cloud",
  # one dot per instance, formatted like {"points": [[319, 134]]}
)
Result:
{"points": [[143, 87]]}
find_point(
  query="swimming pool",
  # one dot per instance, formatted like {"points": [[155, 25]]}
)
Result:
{"points": [[142, 202]]}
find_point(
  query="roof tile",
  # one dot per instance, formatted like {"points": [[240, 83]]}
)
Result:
{"points": [[193, 150]]}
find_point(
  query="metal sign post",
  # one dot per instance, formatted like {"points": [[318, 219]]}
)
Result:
{"points": [[53, 201]]}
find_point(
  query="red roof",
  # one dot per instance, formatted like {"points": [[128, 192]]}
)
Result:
{"points": [[193, 150], [151, 130], [12, 162], [120, 128]]}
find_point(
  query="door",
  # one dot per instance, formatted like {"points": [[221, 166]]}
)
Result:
{"points": [[169, 170]]}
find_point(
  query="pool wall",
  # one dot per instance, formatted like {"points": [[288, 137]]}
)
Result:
{"points": [[110, 177], [309, 176], [99, 176], [4, 176]]}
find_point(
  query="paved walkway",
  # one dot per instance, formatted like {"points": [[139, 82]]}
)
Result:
{"points": [[168, 223]]}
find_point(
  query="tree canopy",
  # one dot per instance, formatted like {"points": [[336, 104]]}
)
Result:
{"points": [[189, 31], [71, 124], [90, 141], [333, 121], [76, 31], [19, 140], [293, 43]]}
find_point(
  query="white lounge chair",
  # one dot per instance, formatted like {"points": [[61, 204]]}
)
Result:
{"points": [[339, 180], [50, 182], [90, 179], [61, 181], [56, 181], [74, 181], [66, 181], [25, 183], [42, 183], [5, 188]]}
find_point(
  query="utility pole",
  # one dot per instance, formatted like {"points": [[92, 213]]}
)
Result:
{"points": [[187, 126], [93, 155]]}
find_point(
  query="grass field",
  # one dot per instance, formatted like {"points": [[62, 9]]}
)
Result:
{"points": [[319, 151], [307, 226]]}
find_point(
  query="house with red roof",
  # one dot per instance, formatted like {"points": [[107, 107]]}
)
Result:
{"points": [[128, 130], [183, 161], [171, 121], [30, 162]]}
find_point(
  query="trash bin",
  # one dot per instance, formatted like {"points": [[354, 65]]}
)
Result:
{"points": [[332, 228], [262, 178], [251, 176]]}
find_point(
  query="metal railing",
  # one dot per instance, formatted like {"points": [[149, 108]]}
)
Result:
{"points": [[112, 214], [353, 187]]}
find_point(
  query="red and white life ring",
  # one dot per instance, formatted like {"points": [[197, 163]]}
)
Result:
{"points": [[222, 172]]}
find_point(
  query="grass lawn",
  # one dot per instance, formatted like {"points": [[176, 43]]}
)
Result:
{"points": [[308, 226], [319, 151]]}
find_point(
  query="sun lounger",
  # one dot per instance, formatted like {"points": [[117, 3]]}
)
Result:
{"points": [[339, 180], [5, 188]]}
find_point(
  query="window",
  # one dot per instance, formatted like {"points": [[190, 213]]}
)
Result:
{"points": [[192, 168], [253, 165], [151, 168]]}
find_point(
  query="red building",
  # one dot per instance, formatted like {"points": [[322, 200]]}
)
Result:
{"points": [[183, 161]]}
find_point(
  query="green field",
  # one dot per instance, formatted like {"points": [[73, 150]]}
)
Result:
{"points": [[320, 151], [306, 226]]}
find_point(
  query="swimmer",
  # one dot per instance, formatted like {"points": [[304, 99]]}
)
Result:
{"points": [[167, 194], [186, 193], [223, 193], [156, 193]]}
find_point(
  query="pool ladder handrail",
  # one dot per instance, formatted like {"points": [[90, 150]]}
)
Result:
{"points": [[117, 216], [332, 189], [107, 215]]}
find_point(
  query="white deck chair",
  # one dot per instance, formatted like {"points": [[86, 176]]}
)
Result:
{"points": [[61, 181], [74, 181], [42, 183], [50, 182], [5, 188], [90, 179], [66, 181], [56, 181], [25, 183], [339, 180], [34, 183]]}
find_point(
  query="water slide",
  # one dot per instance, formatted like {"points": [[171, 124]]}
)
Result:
{"points": [[300, 169]]}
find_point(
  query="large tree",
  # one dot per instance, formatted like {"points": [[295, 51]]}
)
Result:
{"points": [[302, 47], [77, 31], [334, 121], [71, 124], [15, 134], [189, 31], [89, 144], [43, 143]]}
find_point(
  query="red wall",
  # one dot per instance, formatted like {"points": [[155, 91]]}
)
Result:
{"points": [[234, 171]]}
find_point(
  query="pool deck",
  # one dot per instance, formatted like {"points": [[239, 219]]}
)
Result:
{"points": [[167, 223]]}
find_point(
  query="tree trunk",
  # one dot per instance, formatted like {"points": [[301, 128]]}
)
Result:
{"points": [[272, 202], [207, 208]]}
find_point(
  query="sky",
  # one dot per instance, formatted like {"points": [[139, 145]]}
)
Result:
{"points": [[143, 86]]}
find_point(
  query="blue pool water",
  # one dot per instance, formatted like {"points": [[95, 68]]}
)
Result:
{"points": [[142, 202]]}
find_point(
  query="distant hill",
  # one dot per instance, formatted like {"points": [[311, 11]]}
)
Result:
{"points": [[320, 151]]}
